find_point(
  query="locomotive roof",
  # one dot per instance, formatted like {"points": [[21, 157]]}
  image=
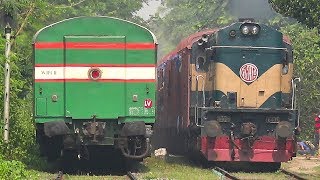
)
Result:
{"points": [[51, 25], [187, 42]]}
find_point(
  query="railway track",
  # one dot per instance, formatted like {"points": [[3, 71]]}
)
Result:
{"points": [[295, 176], [59, 176], [131, 176], [223, 174]]}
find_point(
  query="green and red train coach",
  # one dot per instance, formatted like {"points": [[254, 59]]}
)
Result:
{"points": [[94, 85]]}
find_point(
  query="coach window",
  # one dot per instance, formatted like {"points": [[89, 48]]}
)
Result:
{"points": [[200, 63]]}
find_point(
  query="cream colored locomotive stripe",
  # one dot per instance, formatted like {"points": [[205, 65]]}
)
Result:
{"points": [[286, 80], [268, 83], [126, 73], [222, 78]]}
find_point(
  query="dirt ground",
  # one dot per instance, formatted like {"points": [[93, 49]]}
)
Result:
{"points": [[302, 165]]}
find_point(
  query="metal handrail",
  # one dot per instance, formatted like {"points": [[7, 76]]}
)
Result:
{"points": [[294, 98], [203, 103], [203, 94], [247, 47]]}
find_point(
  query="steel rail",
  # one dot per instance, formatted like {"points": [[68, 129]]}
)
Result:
{"points": [[59, 176], [131, 176], [223, 173], [292, 174]]}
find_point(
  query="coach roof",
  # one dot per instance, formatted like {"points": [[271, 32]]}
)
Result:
{"points": [[36, 36]]}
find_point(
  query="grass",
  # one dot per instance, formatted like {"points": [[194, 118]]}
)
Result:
{"points": [[174, 168]]}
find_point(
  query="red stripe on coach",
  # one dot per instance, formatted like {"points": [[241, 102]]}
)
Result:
{"points": [[93, 45], [90, 80], [94, 65]]}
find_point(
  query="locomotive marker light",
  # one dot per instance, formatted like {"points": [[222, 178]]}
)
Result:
{"points": [[285, 69], [7, 31], [232, 33], [205, 38], [200, 42]]}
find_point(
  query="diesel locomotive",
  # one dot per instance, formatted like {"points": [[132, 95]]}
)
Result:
{"points": [[229, 95], [94, 87]]}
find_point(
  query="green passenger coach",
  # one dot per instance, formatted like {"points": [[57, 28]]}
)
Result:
{"points": [[94, 85]]}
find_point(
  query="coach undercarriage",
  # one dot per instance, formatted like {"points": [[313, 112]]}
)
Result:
{"points": [[56, 138]]}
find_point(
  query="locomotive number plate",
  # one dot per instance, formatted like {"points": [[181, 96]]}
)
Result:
{"points": [[272, 119]]}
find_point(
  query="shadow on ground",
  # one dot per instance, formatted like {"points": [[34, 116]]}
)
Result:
{"points": [[100, 163]]}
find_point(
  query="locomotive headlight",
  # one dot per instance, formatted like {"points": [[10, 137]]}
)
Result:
{"points": [[245, 30], [255, 30]]}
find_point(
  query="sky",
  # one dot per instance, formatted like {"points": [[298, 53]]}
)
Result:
{"points": [[257, 9], [149, 9]]}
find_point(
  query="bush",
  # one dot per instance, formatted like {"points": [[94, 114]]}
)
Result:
{"points": [[14, 170]]}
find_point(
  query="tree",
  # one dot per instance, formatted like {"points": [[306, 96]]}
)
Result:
{"points": [[305, 11], [181, 18], [306, 45]]}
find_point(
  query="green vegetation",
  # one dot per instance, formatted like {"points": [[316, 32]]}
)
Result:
{"points": [[186, 17], [305, 11], [27, 18], [14, 170], [317, 171], [174, 168], [306, 43]]}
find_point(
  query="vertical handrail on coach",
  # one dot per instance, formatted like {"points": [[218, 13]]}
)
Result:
{"points": [[203, 96]]}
